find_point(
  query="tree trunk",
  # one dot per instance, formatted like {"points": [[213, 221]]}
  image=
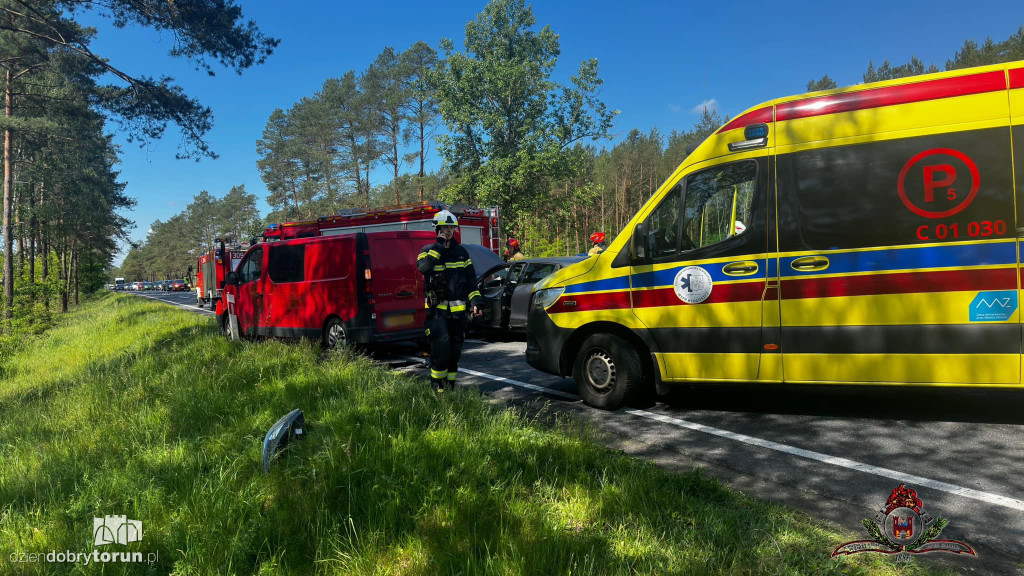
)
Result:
{"points": [[309, 205], [19, 232], [422, 157], [65, 278], [33, 224], [8, 187], [44, 236], [295, 198], [75, 264], [366, 182], [394, 150]]}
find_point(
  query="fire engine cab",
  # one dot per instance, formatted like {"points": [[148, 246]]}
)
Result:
{"points": [[212, 268], [476, 225]]}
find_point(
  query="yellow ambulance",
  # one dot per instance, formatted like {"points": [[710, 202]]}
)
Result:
{"points": [[864, 235]]}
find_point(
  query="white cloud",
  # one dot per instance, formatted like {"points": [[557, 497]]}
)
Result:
{"points": [[711, 104], [148, 232]]}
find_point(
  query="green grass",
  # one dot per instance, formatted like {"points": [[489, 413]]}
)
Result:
{"points": [[133, 407]]}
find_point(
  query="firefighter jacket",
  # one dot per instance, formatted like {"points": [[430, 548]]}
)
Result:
{"points": [[450, 280]]}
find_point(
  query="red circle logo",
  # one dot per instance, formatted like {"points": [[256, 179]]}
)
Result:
{"points": [[949, 176]]}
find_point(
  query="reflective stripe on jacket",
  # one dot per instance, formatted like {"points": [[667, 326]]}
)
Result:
{"points": [[459, 277]]}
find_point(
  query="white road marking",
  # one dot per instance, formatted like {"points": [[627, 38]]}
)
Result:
{"points": [[203, 310], [911, 479]]}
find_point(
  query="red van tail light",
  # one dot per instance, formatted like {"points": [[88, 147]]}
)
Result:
{"points": [[367, 274]]}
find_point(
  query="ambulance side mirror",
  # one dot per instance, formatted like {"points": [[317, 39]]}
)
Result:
{"points": [[638, 249]]}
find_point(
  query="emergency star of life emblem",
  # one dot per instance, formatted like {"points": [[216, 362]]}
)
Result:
{"points": [[902, 528], [693, 284]]}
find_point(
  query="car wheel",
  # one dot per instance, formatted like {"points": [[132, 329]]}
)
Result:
{"points": [[607, 371], [334, 334], [222, 324]]}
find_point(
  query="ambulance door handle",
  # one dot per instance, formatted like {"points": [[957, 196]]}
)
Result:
{"points": [[405, 294], [740, 268], [810, 264]]}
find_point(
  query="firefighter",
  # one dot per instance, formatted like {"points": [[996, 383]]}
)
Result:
{"points": [[450, 287], [512, 251], [599, 244]]}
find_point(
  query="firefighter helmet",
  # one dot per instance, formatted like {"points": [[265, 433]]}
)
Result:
{"points": [[512, 243], [597, 237], [445, 218]]}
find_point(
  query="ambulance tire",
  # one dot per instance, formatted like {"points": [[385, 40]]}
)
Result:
{"points": [[200, 302], [608, 372], [334, 336], [222, 324]]}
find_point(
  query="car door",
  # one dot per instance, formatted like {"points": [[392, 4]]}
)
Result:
{"points": [[520, 301], [701, 289], [492, 288], [515, 272]]}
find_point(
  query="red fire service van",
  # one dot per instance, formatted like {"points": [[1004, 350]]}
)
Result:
{"points": [[360, 287], [212, 269], [476, 225]]}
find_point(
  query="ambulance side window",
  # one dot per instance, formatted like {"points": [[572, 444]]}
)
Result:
{"points": [[663, 225], [718, 203]]}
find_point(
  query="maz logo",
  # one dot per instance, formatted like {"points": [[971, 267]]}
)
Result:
{"points": [[1001, 302]]}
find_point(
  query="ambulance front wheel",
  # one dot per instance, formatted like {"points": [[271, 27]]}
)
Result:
{"points": [[222, 324], [607, 371]]}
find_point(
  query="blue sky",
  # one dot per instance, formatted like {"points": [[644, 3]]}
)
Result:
{"points": [[659, 62]]}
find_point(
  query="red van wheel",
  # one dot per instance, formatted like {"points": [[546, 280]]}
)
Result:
{"points": [[607, 371], [334, 334]]}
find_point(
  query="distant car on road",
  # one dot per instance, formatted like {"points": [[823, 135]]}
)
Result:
{"points": [[147, 286], [506, 287], [178, 286], [138, 286]]}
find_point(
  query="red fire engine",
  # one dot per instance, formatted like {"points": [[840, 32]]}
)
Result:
{"points": [[213, 267], [476, 225]]}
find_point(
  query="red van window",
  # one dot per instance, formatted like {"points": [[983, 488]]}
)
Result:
{"points": [[287, 263], [329, 260]]}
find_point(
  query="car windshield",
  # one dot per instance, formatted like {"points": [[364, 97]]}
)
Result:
{"points": [[538, 271]]}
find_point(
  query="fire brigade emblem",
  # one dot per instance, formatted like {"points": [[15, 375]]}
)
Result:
{"points": [[902, 528], [693, 284]]}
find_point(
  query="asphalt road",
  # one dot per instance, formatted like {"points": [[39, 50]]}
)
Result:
{"points": [[833, 452]]}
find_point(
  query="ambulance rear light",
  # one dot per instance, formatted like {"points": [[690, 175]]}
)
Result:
{"points": [[367, 274]]}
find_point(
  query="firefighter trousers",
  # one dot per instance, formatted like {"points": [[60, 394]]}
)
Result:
{"points": [[446, 335]]}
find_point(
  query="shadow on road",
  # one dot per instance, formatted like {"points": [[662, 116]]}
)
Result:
{"points": [[903, 403]]}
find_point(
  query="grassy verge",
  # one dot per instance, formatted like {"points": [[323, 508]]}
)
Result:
{"points": [[135, 408]]}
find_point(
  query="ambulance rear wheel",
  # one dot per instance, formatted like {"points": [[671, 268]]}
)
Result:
{"points": [[607, 371], [334, 334], [200, 303]]}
